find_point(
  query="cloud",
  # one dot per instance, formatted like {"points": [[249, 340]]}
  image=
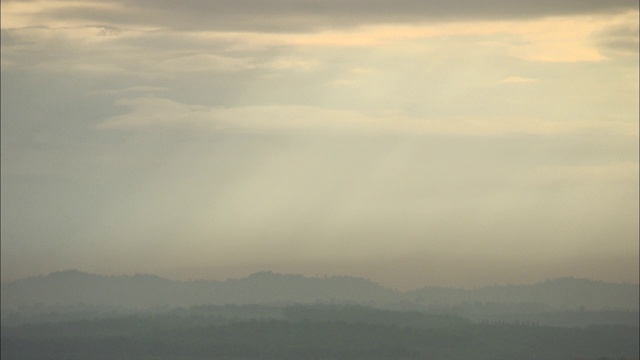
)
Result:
{"points": [[620, 38], [297, 15], [518, 80], [160, 113], [291, 63], [69, 49], [204, 63], [42, 38], [141, 89]]}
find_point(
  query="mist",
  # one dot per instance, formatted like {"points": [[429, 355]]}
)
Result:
{"points": [[412, 145]]}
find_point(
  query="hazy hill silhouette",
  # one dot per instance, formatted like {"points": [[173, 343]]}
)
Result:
{"points": [[73, 288], [561, 293]]}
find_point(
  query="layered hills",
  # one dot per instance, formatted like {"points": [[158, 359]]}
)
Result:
{"points": [[73, 287]]}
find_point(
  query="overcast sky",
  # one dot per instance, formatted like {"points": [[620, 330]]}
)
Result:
{"points": [[411, 142]]}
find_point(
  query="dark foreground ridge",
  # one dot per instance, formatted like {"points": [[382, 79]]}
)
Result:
{"points": [[310, 332]]}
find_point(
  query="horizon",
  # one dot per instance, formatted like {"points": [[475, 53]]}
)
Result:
{"points": [[316, 277], [383, 274], [449, 143]]}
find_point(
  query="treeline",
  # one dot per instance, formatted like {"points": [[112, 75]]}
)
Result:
{"points": [[310, 332], [366, 315], [475, 312]]}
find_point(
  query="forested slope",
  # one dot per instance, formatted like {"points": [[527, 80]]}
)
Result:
{"points": [[313, 332]]}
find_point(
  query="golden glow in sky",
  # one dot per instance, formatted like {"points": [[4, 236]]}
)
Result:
{"points": [[408, 142]]}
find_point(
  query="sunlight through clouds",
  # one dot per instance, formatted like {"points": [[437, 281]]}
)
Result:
{"points": [[301, 132]]}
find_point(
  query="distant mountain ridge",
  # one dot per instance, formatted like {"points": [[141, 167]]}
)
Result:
{"points": [[73, 287]]}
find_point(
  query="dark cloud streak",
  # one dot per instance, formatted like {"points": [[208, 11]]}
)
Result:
{"points": [[622, 39], [309, 15]]}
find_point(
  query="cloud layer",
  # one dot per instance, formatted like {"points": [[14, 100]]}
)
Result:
{"points": [[305, 15]]}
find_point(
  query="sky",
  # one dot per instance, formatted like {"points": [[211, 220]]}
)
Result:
{"points": [[455, 143]]}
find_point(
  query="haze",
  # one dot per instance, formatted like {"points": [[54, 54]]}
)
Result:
{"points": [[409, 142]]}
